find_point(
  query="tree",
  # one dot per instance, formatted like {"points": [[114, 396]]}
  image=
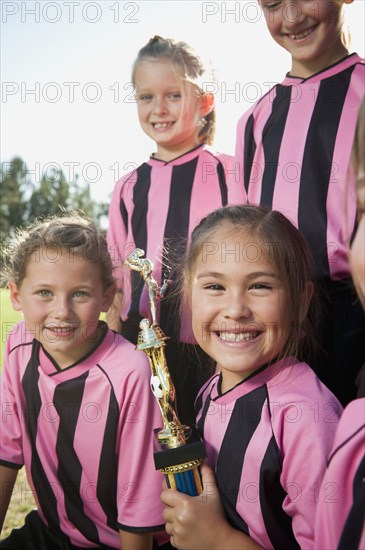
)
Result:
{"points": [[23, 201], [13, 187]]}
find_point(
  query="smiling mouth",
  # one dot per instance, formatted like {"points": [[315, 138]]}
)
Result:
{"points": [[303, 34], [158, 125], [239, 336], [61, 331]]}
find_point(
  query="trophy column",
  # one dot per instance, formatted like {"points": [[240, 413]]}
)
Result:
{"points": [[178, 449]]}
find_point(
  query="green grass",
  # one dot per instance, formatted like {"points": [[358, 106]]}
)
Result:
{"points": [[9, 318], [22, 501]]}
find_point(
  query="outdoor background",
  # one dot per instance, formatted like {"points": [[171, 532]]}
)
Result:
{"points": [[67, 100], [67, 108]]}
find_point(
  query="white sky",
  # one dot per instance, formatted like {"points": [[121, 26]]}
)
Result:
{"points": [[65, 71]]}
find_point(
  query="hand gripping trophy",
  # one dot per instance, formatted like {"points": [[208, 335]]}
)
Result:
{"points": [[179, 450]]}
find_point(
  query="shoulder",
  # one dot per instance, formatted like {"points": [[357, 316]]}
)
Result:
{"points": [[298, 396], [213, 154], [122, 361], [128, 179], [18, 337], [351, 428], [262, 105], [206, 390]]}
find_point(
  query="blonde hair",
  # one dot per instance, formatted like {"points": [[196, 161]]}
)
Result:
{"points": [[190, 67], [74, 233]]}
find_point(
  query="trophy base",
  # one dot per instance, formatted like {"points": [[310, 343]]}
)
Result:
{"points": [[166, 457], [180, 465]]}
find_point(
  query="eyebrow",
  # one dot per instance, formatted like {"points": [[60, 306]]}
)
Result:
{"points": [[250, 276]]}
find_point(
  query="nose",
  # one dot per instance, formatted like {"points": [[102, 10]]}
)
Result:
{"points": [[292, 13], [237, 308], [62, 307], [159, 106]]}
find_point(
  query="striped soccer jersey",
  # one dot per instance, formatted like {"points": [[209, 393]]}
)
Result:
{"points": [[267, 440], [340, 520], [294, 146], [155, 208], [84, 434]]}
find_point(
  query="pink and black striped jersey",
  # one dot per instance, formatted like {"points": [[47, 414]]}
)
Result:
{"points": [[340, 520], [268, 439], [155, 208], [294, 147], [85, 436]]}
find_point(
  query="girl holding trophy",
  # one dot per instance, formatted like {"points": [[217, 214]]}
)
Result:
{"points": [[267, 421]]}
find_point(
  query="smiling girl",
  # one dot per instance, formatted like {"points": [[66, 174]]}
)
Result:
{"points": [[156, 206], [294, 146], [78, 412], [266, 419]]}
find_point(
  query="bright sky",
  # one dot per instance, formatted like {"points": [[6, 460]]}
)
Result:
{"points": [[65, 69]]}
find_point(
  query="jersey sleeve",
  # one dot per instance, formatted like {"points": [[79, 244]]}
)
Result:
{"points": [[117, 233], [241, 147], [11, 448], [305, 438], [139, 484], [338, 512]]}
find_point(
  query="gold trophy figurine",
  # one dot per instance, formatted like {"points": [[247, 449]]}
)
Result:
{"points": [[151, 340], [177, 458]]}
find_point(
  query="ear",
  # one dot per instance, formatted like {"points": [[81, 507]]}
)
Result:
{"points": [[306, 300], [108, 297], [207, 101], [15, 296]]}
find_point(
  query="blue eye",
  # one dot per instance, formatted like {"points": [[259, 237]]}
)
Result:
{"points": [[44, 293], [80, 294], [175, 95], [144, 97]]}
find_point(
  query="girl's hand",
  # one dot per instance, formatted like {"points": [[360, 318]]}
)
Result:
{"points": [[196, 522]]}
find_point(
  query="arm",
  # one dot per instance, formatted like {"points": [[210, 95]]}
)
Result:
{"points": [[139, 505], [135, 541], [7, 482], [198, 523], [116, 239]]}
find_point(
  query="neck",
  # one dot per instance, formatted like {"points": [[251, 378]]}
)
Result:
{"points": [[308, 69], [170, 154]]}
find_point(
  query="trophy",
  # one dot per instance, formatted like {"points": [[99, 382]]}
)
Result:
{"points": [[178, 449]]}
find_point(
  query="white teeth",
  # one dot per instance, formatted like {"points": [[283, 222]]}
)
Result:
{"points": [[60, 329], [162, 124], [238, 337], [301, 35]]}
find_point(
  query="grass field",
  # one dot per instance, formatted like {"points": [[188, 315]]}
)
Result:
{"points": [[22, 500], [9, 318]]}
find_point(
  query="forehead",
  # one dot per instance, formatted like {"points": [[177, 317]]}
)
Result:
{"points": [[49, 259], [158, 72], [230, 245]]}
